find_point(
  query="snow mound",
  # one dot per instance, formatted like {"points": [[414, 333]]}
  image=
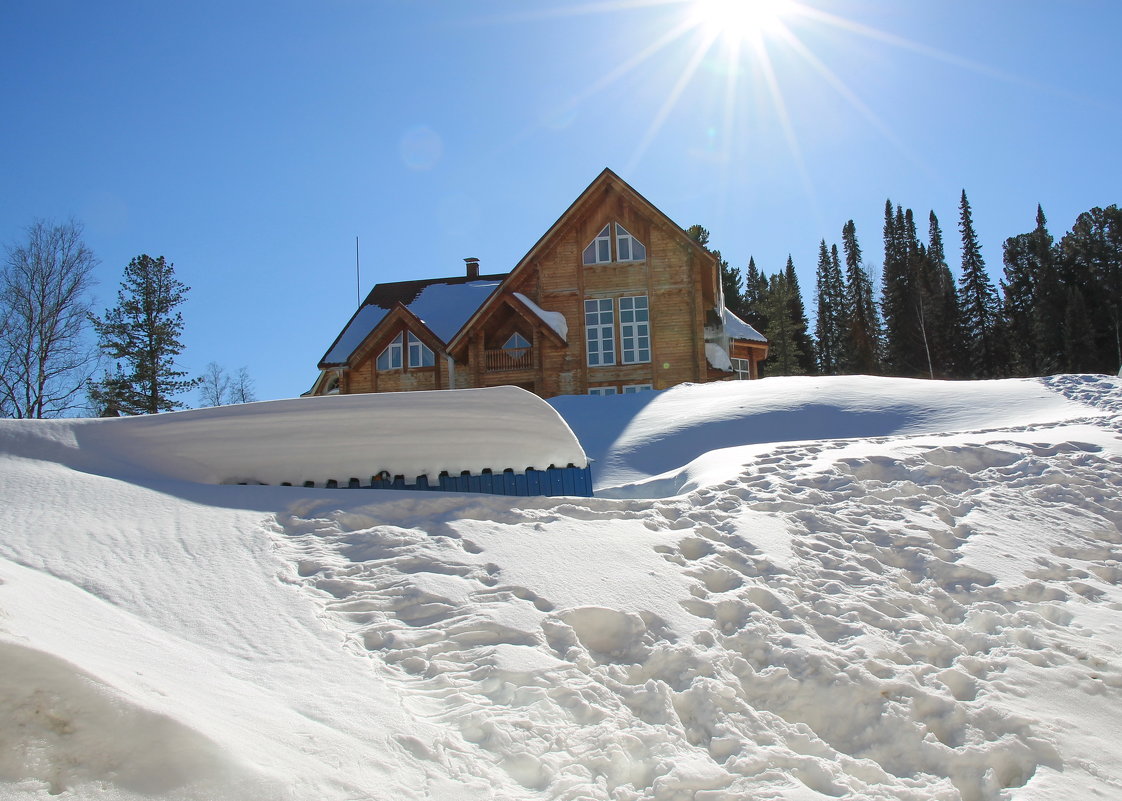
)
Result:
{"points": [[314, 439]]}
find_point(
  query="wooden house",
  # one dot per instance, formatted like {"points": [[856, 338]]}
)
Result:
{"points": [[614, 297]]}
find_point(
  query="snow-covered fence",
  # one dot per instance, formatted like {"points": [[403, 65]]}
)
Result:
{"points": [[552, 481], [502, 440]]}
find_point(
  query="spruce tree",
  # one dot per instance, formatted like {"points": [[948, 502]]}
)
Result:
{"points": [[754, 297], [1091, 262], [978, 300], [943, 303], [785, 356], [1049, 304], [901, 300], [861, 343], [830, 312], [142, 333], [802, 324]]}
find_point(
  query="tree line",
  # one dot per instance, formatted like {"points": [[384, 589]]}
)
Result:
{"points": [[1056, 309], [53, 346]]}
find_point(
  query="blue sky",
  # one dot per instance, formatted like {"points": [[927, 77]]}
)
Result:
{"points": [[250, 143]]}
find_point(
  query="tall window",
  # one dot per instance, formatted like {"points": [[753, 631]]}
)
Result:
{"points": [[599, 327], [600, 251], [628, 248], [420, 355], [390, 358], [634, 330]]}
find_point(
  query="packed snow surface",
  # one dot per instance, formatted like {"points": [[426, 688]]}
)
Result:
{"points": [[789, 589]]}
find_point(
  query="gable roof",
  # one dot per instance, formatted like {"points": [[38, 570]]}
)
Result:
{"points": [[606, 177], [442, 304]]}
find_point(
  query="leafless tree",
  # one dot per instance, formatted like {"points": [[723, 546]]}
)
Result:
{"points": [[214, 386], [46, 354], [241, 387], [219, 388]]}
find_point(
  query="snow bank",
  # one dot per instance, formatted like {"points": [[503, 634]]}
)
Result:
{"points": [[919, 614], [314, 439]]}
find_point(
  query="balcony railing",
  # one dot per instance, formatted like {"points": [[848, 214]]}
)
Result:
{"points": [[509, 359]]}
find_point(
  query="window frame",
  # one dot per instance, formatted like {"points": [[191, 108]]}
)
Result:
{"points": [[394, 348], [604, 357], [416, 345], [631, 389], [603, 392], [517, 351], [624, 237], [601, 243], [744, 374], [634, 330]]}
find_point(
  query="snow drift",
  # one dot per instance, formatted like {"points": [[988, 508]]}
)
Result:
{"points": [[816, 600]]}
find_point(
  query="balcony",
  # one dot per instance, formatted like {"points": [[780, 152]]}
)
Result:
{"points": [[508, 359]]}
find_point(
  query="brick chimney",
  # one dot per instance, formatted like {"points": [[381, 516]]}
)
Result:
{"points": [[472, 267]]}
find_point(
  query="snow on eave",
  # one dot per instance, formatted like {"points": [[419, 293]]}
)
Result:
{"points": [[717, 357], [738, 329], [555, 320]]}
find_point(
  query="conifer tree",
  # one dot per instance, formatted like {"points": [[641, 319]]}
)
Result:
{"points": [[901, 300], [979, 303], [802, 324], [142, 332], [830, 311], [861, 343], [943, 303], [754, 297], [1048, 298], [1091, 262], [785, 356]]}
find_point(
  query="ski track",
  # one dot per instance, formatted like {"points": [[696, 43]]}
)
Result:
{"points": [[870, 654]]}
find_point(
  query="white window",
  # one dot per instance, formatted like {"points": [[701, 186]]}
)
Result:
{"points": [[516, 347], [741, 368], [390, 358], [628, 248], [633, 388], [600, 251], [420, 355], [602, 391], [599, 328], [635, 330]]}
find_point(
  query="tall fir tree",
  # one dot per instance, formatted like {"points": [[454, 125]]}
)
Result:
{"points": [[1049, 303], [807, 361], [142, 332], [943, 304], [860, 351], [785, 355], [754, 297], [901, 302], [1091, 266], [981, 310], [830, 311]]}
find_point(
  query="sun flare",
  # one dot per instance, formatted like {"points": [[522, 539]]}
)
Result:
{"points": [[741, 19]]}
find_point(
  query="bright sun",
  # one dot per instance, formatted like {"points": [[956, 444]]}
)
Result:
{"points": [[740, 19]]}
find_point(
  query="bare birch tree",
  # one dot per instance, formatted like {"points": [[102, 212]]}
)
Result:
{"points": [[46, 354]]}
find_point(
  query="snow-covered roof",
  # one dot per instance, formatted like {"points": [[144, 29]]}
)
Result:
{"points": [[738, 329], [343, 436], [443, 305]]}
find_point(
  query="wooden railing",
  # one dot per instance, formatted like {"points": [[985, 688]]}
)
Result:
{"points": [[514, 359]]}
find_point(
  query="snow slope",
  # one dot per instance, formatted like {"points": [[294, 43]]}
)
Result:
{"points": [[789, 589]]}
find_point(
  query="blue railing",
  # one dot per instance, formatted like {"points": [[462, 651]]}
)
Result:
{"points": [[552, 481]]}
